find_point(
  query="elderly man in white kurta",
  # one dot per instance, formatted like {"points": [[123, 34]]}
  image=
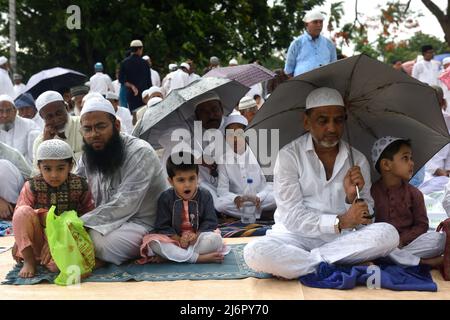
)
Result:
{"points": [[239, 164], [15, 131], [315, 191], [126, 179]]}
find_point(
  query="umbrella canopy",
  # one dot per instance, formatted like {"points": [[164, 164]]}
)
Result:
{"points": [[16, 158], [440, 57], [56, 79], [380, 101], [177, 109], [247, 74]]}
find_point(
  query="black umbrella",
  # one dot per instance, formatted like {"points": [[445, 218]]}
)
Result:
{"points": [[57, 79]]}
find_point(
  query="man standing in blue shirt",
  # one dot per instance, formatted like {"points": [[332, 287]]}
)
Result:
{"points": [[310, 50]]}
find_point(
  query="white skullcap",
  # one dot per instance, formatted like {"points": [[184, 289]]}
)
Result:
{"points": [[136, 44], [145, 93], [313, 15], [48, 97], [185, 65], [152, 90], [233, 62], [235, 118], [3, 60], [324, 97], [153, 101], [146, 57], [91, 95], [5, 97], [54, 149], [209, 96], [97, 104], [112, 96], [380, 145], [172, 66], [445, 61], [247, 103]]}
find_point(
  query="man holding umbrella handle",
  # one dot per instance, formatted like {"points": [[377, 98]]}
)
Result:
{"points": [[320, 217]]}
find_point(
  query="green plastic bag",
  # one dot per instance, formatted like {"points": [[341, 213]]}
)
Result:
{"points": [[70, 246]]}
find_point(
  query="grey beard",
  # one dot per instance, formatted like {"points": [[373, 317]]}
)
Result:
{"points": [[325, 144], [6, 126]]}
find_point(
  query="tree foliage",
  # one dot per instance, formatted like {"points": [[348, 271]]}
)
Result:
{"points": [[171, 30]]}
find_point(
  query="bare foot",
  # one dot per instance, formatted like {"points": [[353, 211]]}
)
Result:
{"points": [[434, 263], [28, 270], [156, 259], [214, 257]]}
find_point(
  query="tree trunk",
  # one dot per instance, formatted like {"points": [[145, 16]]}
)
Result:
{"points": [[444, 19]]}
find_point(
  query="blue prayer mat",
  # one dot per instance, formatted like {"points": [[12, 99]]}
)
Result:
{"points": [[5, 228], [392, 277], [233, 267]]}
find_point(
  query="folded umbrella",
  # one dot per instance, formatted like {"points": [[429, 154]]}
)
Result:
{"points": [[56, 79], [247, 74], [380, 101]]}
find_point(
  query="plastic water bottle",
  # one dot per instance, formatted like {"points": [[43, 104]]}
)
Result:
{"points": [[248, 209]]}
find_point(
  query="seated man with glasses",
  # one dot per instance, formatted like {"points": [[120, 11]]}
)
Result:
{"points": [[126, 179], [58, 123]]}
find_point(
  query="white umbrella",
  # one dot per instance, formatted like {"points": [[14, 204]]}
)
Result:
{"points": [[177, 109]]}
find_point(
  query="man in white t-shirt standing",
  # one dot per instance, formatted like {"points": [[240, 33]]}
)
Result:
{"points": [[100, 82], [427, 70]]}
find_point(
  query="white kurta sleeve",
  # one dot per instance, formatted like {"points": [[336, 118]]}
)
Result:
{"points": [[291, 211], [224, 202]]}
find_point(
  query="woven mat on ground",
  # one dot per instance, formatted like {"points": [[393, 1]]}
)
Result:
{"points": [[233, 267], [233, 228]]}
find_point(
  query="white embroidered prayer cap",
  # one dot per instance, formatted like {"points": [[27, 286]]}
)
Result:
{"points": [[322, 97], [54, 149], [3, 60], [446, 61], [380, 145], [153, 101], [172, 66], [209, 96], [235, 118], [90, 95], [247, 103], [146, 58], [136, 44], [233, 62], [153, 90], [5, 97], [313, 15], [48, 97], [97, 104], [185, 65], [112, 96]]}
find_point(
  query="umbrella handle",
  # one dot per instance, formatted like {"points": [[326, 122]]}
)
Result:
{"points": [[357, 193]]}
